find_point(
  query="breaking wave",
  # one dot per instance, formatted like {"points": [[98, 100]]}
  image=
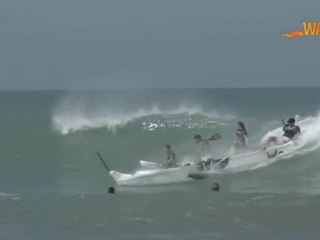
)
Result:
{"points": [[67, 119]]}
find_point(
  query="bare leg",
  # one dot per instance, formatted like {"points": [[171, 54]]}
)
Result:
{"points": [[171, 164], [271, 140], [243, 143]]}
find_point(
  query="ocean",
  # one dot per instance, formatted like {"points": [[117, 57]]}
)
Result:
{"points": [[53, 186]]}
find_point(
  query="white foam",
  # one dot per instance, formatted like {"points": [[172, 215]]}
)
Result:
{"points": [[308, 141], [310, 131], [12, 196], [70, 118]]}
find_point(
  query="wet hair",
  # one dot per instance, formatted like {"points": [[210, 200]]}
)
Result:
{"points": [[167, 146], [242, 126], [291, 120], [111, 190], [215, 187], [198, 136]]}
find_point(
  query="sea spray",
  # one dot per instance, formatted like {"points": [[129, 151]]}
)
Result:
{"points": [[79, 116]]}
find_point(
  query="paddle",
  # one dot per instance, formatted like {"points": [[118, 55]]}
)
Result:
{"points": [[215, 136], [110, 189], [103, 162], [221, 163]]}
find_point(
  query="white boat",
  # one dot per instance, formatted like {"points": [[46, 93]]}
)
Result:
{"points": [[151, 177], [149, 165], [154, 174], [183, 173]]}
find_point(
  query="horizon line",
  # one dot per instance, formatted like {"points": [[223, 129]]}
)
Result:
{"points": [[154, 88]]}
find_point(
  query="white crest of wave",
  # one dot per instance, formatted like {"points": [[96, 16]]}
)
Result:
{"points": [[12, 196], [68, 118]]}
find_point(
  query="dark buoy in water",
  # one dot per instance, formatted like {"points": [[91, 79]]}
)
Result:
{"points": [[111, 190], [215, 187]]}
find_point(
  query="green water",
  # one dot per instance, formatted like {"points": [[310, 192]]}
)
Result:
{"points": [[52, 186]]}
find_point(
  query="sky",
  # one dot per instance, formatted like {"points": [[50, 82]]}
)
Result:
{"points": [[103, 44]]}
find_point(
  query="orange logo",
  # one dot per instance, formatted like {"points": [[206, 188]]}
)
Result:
{"points": [[309, 29]]}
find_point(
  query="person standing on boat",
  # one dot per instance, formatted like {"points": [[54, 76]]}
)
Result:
{"points": [[242, 135], [171, 160]]}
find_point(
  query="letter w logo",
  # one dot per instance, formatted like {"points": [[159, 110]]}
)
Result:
{"points": [[311, 28]]}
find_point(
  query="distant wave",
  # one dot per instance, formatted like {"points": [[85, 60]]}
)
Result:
{"points": [[12, 196], [68, 118]]}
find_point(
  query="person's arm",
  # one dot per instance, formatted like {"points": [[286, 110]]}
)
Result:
{"points": [[215, 136], [298, 133], [285, 127]]}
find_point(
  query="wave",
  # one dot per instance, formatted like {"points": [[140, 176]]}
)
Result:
{"points": [[12, 196], [68, 119]]}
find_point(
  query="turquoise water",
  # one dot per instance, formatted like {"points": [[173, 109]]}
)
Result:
{"points": [[52, 186]]}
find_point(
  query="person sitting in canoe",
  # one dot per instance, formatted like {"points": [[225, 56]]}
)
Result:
{"points": [[291, 132], [171, 160], [242, 135]]}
